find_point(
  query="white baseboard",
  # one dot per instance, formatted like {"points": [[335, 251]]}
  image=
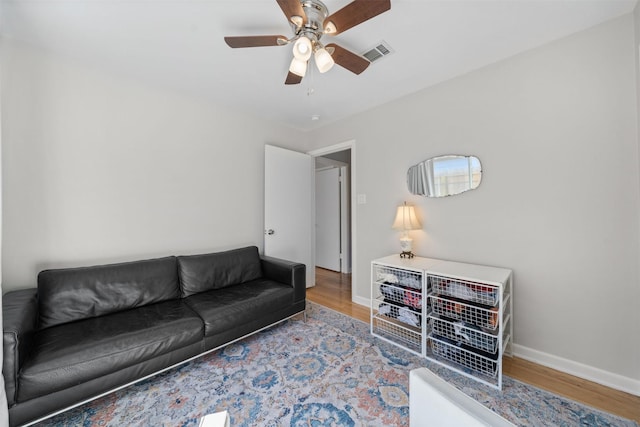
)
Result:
{"points": [[578, 369], [362, 301]]}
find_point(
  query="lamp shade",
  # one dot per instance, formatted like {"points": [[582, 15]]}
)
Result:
{"points": [[298, 67], [406, 219], [302, 49], [324, 60]]}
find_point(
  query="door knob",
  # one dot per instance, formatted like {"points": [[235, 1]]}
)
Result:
{"points": [[269, 232]]}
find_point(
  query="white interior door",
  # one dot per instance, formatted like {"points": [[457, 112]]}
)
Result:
{"points": [[288, 201], [328, 219]]}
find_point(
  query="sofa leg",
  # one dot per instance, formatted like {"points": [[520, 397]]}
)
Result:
{"points": [[304, 316]]}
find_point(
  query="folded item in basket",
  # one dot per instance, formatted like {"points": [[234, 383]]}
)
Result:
{"points": [[388, 310], [384, 309], [460, 345], [480, 294], [388, 278], [459, 290], [465, 333], [460, 333], [392, 293], [407, 316], [412, 299], [449, 309], [487, 318], [411, 282]]}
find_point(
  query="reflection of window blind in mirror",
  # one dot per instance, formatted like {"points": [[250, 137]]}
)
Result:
{"points": [[444, 176]]}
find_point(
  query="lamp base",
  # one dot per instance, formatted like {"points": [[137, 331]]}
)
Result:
{"points": [[406, 243]]}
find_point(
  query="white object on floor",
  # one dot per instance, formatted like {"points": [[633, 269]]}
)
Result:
{"points": [[219, 419], [435, 402]]}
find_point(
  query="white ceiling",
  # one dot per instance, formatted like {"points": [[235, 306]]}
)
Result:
{"points": [[179, 44]]}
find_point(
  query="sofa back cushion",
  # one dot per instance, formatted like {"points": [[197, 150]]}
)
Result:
{"points": [[66, 295], [200, 273]]}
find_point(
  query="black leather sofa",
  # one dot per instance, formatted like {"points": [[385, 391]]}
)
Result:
{"points": [[85, 332]]}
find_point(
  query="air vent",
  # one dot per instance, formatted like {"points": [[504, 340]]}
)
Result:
{"points": [[378, 52]]}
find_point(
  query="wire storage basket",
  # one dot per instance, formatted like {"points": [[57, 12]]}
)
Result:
{"points": [[454, 309], [465, 333], [467, 361], [402, 304], [407, 279], [396, 331], [480, 293], [400, 297]]}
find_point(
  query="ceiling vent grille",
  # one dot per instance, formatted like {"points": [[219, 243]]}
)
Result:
{"points": [[378, 52]]}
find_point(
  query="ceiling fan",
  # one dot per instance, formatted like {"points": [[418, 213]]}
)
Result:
{"points": [[310, 20]]}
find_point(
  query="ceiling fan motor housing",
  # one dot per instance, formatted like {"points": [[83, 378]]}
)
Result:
{"points": [[316, 13]]}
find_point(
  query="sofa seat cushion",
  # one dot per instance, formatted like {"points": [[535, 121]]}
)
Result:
{"points": [[73, 353], [234, 306]]}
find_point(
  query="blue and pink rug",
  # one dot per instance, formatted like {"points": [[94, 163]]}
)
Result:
{"points": [[328, 371]]}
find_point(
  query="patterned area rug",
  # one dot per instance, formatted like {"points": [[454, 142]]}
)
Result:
{"points": [[328, 371]]}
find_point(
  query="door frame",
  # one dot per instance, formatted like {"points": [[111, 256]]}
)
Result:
{"points": [[342, 146]]}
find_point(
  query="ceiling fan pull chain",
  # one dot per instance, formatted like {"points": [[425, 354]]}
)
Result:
{"points": [[311, 80]]}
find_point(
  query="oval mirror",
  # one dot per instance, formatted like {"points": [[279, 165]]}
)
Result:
{"points": [[444, 176]]}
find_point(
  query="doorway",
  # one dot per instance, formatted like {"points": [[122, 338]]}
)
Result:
{"points": [[333, 212], [335, 163]]}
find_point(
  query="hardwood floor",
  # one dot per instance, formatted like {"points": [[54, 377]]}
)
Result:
{"points": [[333, 290]]}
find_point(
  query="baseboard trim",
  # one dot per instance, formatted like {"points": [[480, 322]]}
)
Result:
{"points": [[578, 369], [360, 300]]}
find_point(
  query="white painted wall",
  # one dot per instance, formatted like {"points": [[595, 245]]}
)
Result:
{"points": [[97, 168], [555, 129], [4, 411], [636, 15], [637, 64]]}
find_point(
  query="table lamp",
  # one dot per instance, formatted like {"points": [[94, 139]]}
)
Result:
{"points": [[405, 221]]}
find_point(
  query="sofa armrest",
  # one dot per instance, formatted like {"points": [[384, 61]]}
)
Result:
{"points": [[288, 272], [19, 322]]}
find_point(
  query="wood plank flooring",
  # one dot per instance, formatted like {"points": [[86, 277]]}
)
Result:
{"points": [[333, 290]]}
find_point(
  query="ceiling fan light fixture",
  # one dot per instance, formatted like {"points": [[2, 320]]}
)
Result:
{"points": [[324, 61], [297, 21], [330, 27], [298, 67], [302, 49]]}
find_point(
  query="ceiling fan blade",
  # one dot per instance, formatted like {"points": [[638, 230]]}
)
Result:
{"points": [[347, 59], [353, 14], [255, 41], [293, 8], [292, 79]]}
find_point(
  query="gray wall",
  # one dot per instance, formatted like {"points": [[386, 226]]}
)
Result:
{"points": [[98, 168], [555, 129]]}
